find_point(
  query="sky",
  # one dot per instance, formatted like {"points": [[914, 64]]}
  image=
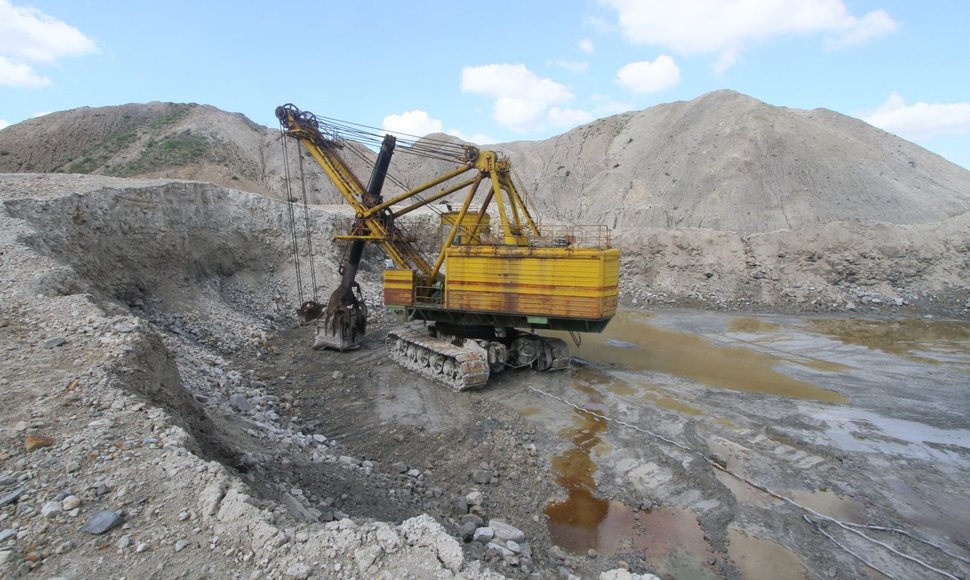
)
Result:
{"points": [[497, 71]]}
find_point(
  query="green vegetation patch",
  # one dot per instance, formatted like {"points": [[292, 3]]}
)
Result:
{"points": [[182, 148], [178, 113]]}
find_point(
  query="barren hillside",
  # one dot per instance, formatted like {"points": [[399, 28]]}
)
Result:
{"points": [[180, 141], [723, 161]]}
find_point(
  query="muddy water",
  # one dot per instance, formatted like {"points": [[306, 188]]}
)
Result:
{"points": [[758, 559], [670, 538], [925, 341], [632, 343]]}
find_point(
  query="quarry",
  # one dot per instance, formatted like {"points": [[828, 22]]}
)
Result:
{"points": [[781, 388]]}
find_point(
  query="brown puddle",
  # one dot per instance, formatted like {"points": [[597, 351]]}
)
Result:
{"points": [[758, 559], [582, 379], [670, 538], [753, 325], [574, 524], [631, 342], [900, 337]]}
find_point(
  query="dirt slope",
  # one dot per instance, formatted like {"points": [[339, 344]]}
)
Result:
{"points": [[181, 141], [725, 161]]}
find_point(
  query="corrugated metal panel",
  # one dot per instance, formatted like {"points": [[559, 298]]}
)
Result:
{"points": [[558, 282], [398, 287]]}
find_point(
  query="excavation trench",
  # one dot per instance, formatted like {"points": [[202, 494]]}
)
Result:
{"points": [[207, 275], [326, 435]]}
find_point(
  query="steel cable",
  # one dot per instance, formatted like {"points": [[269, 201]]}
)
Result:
{"points": [[845, 526]]}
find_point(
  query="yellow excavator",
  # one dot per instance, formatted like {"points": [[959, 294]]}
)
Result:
{"points": [[488, 289]]}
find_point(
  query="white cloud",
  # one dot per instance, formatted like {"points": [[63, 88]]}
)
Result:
{"points": [[598, 24], [586, 45], [725, 29], [29, 37], [476, 138], [511, 80], [920, 120], [568, 117], [415, 122], [4, 124], [605, 105], [523, 100], [520, 115], [18, 74], [576, 66], [873, 25], [419, 123], [649, 76]]}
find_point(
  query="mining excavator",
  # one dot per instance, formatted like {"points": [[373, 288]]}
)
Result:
{"points": [[473, 308]]}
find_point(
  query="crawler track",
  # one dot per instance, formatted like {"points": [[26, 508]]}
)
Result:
{"points": [[457, 367]]}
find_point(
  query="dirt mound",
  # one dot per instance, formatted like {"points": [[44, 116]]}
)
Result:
{"points": [[723, 161], [180, 141], [728, 162]]}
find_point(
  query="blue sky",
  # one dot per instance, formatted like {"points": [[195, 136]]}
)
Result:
{"points": [[496, 71]]}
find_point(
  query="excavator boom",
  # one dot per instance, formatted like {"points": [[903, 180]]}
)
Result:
{"points": [[486, 289]]}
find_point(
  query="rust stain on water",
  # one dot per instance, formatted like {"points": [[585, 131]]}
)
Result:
{"points": [[670, 538], [758, 559], [633, 343], [753, 326], [925, 341]]}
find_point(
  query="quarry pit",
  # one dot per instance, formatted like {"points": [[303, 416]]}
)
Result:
{"points": [[149, 335]]}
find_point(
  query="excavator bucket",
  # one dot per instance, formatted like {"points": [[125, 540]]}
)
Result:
{"points": [[345, 331], [344, 322]]}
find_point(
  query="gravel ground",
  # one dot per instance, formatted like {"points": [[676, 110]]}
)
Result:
{"points": [[161, 414]]}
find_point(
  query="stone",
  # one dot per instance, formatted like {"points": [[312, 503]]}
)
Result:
{"points": [[514, 546], [479, 522], [7, 534], [337, 375], [319, 438], [124, 327], [103, 521], [482, 476], [55, 341], [37, 441], [239, 402], [506, 532], [123, 542], [474, 498], [11, 497], [181, 545], [461, 505], [499, 549], [51, 509], [296, 508], [483, 535], [467, 532], [414, 473], [299, 571]]}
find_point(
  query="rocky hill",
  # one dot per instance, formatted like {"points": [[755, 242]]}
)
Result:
{"points": [[723, 161], [181, 141]]}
